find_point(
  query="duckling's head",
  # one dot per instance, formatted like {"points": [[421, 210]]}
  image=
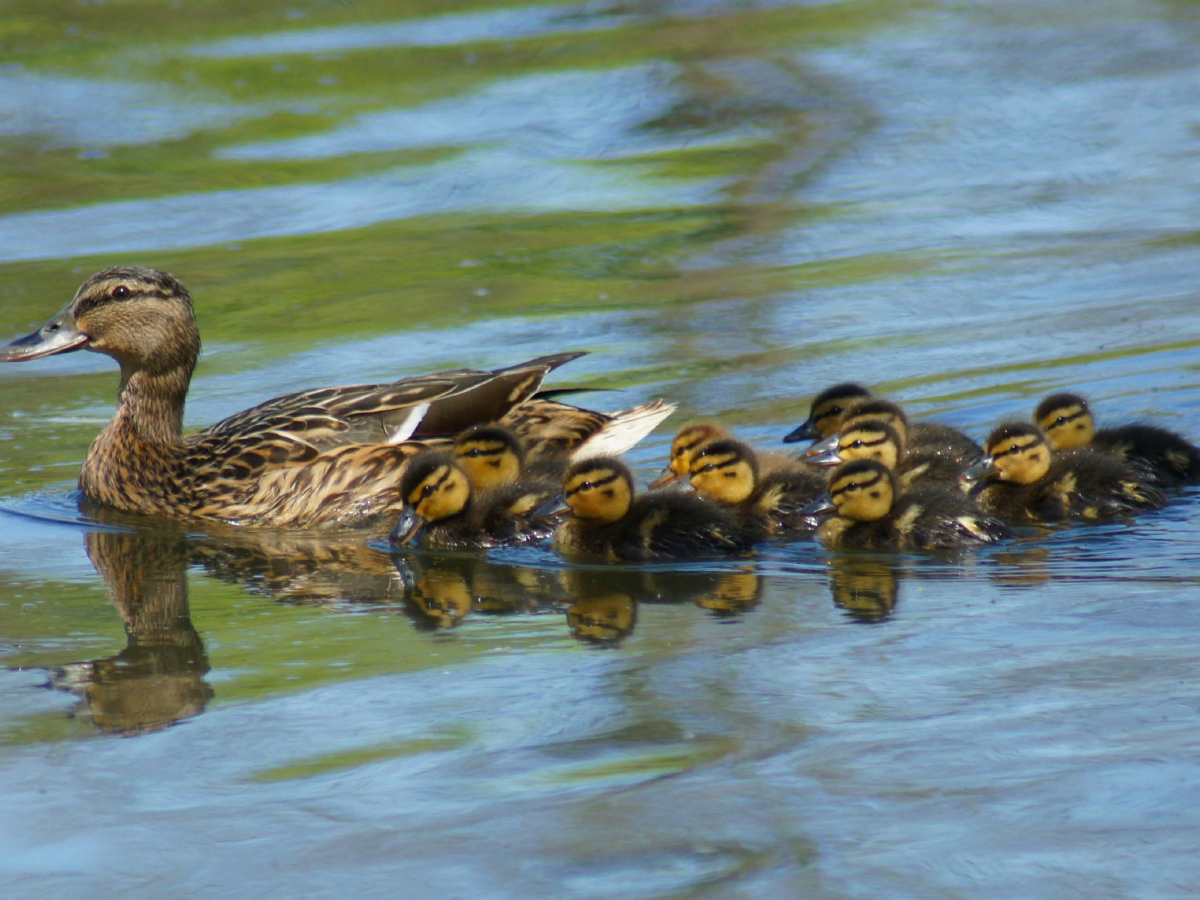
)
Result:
{"points": [[880, 409], [490, 455], [689, 441], [141, 317], [863, 439], [1017, 452], [599, 490], [1066, 420], [725, 471], [434, 487], [825, 414], [863, 490]]}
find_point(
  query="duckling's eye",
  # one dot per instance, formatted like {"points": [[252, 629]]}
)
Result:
{"points": [[120, 292], [586, 486], [426, 491], [472, 453], [708, 468], [855, 445], [834, 411], [1061, 420]]}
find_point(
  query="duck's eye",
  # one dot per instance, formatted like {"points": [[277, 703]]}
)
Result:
{"points": [[586, 486], [854, 445], [1061, 420], [834, 411], [120, 292], [426, 491], [708, 468], [51, 328], [473, 453]]}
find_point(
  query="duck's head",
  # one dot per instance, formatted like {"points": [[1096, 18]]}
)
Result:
{"points": [[1066, 420], [879, 409], [434, 487], [864, 439], [141, 317], [490, 455], [1017, 452], [863, 490], [598, 490], [691, 439], [825, 414], [725, 471]]}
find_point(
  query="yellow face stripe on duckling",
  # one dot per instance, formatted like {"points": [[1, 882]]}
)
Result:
{"points": [[862, 494], [598, 494], [723, 472], [442, 493], [1022, 458], [690, 440], [1068, 423], [870, 439], [488, 462]]}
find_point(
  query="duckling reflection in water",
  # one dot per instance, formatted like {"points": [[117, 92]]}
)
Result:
{"points": [[694, 437], [871, 513], [876, 439], [442, 512], [157, 680], [1021, 480], [607, 522], [732, 594], [865, 588], [1161, 457], [771, 504]]}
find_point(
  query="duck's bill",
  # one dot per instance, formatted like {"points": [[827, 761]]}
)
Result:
{"points": [[59, 335], [822, 506], [552, 509], [806, 432], [824, 453], [407, 528], [985, 468], [667, 477]]}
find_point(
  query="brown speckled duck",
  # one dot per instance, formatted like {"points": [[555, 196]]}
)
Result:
{"points": [[330, 456]]}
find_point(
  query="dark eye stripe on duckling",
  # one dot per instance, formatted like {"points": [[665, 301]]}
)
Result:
{"points": [[482, 449], [699, 439], [1014, 447], [857, 483], [415, 495], [860, 438], [589, 483], [1070, 414]]}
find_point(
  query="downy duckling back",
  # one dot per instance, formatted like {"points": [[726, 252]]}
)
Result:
{"points": [[1022, 480], [1163, 457], [608, 522], [872, 513]]}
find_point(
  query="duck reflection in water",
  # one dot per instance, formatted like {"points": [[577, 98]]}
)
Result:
{"points": [[445, 589], [864, 587], [157, 679]]}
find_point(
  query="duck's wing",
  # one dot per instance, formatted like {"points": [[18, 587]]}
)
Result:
{"points": [[423, 407], [552, 430]]}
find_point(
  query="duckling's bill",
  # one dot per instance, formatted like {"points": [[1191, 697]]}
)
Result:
{"points": [[407, 527]]}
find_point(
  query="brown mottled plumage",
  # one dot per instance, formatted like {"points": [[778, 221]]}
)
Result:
{"points": [[331, 456]]}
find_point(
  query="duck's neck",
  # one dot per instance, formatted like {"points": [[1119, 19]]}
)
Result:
{"points": [[150, 403]]}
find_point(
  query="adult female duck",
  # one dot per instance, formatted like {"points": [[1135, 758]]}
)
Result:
{"points": [[330, 456]]}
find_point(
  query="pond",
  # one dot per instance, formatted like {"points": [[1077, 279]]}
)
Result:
{"points": [[732, 204]]}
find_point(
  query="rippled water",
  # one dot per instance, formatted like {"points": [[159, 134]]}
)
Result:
{"points": [[732, 205]]}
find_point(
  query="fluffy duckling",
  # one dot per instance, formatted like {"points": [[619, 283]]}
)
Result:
{"points": [[1164, 457], [919, 437], [876, 439], [695, 436], [493, 456], [767, 503], [871, 513], [1022, 480], [442, 512], [607, 522], [827, 411]]}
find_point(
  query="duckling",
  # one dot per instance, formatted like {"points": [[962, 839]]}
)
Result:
{"points": [[1022, 480], [919, 437], [727, 472], [607, 522], [492, 457], [871, 513], [323, 457], [826, 413], [442, 512], [1165, 458], [695, 436], [876, 439]]}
